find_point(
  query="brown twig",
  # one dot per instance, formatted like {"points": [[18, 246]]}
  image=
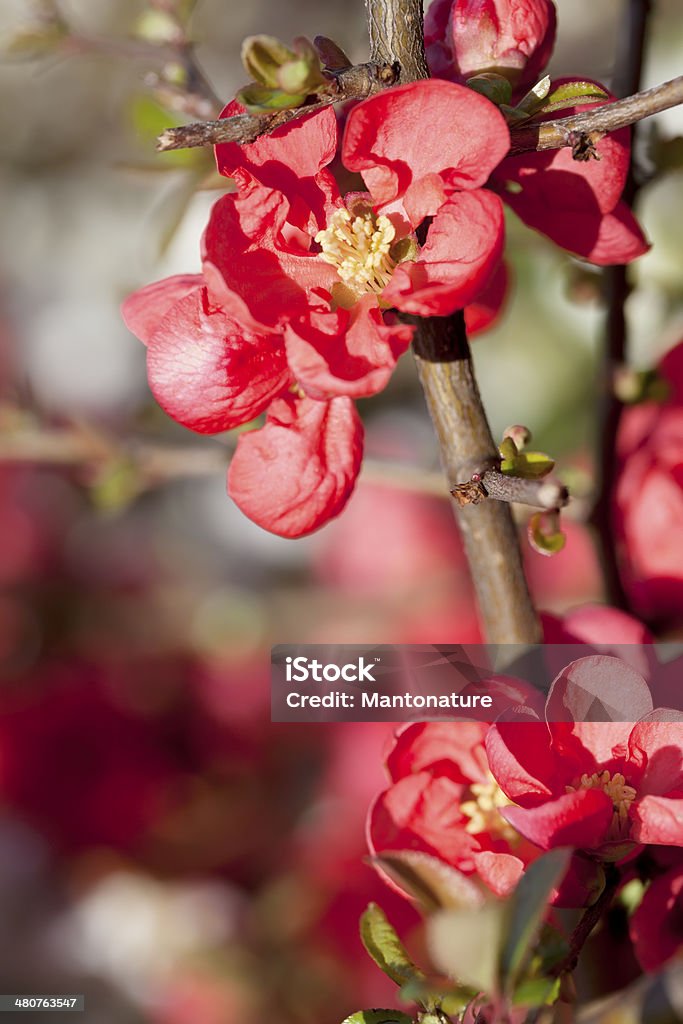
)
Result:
{"points": [[591, 124], [596, 123], [356, 82], [547, 492], [589, 919], [616, 290]]}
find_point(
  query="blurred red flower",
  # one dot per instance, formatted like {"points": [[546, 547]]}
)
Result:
{"points": [[648, 500]]}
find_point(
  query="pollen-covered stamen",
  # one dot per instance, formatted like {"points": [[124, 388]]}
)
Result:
{"points": [[359, 245], [620, 793], [483, 810]]}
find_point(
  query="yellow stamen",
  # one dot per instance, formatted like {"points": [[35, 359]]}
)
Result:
{"points": [[483, 810], [621, 795], [358, 246]]}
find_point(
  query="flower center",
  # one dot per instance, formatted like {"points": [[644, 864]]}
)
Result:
{"points": [[482, 810], [621, 795], [358, 245]]}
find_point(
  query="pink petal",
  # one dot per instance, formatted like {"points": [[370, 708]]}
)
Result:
{"points": [[452, 749], [143, 311], [521, 760], [662, 744], [500, 871], [598, 689], [208, 371], [658, 819], [486, 307], [464, 245], [422, 141], [299, 470]]}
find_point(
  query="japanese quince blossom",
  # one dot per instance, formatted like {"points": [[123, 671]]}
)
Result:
{"points": [[577, 204], [488, 799], [648, 500], [291, 313], [513, 38], [601, 786], [443, 800]]}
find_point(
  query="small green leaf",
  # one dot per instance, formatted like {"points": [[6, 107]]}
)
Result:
{"points": [[258, 99], [533, 464], [263, 56], [508, 449], [385, 947], [433, 883], [378, 1017], [532, 102], [527, 908], [537, 992], [544, 533], [493, 87], [568, 94]]}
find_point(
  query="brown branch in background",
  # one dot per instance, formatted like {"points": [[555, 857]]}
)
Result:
{"points": [[597, 123], [616, 290], [356, 82]]}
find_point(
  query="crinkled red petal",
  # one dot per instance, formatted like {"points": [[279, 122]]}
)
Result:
{"points": [[144, 310], [208, 371], [657, 819], [580, 819], [345, 352], [464, 245], [485, 309], [422, 141], [299, 470]]}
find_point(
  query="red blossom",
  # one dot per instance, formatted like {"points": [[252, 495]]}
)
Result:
{"points": [[656, 927], [602, 786], [648, 500], [513, 38], [443, 800], [576, 203], [298, 470]]}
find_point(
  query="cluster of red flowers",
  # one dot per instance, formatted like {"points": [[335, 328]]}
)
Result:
{"points": [[292, 313], [488, 799]]}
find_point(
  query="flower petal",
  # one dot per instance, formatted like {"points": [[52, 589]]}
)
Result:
{"points": [[422, 141], [455, 751], [581, 818], [208, 371], [658, 819], [661, 743], [500, 871], [464, 245], [245, 241], [486, 307], [345, 352], [299, 149], [299, 470], [598, 689], [143, 311], [521, 760]]}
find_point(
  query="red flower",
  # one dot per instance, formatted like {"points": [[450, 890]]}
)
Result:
{"points": [[444, 801], [513, 38], [576, 203], [297, 284], [656, 927], [648, 503], [600, 786]]}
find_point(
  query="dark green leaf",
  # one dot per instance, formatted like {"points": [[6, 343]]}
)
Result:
{"points": [[526, 910], [385, 947]]}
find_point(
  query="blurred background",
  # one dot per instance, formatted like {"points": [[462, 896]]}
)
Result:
{"points": [[164, 849]]}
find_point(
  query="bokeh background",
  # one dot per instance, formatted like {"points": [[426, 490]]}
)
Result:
{"points": [[163, 848]]}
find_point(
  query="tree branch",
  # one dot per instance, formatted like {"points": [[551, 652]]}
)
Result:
{"points": [[597, 123], [616, 290], [356, 82], [546, 493], [489, 535], [592, 124]]}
